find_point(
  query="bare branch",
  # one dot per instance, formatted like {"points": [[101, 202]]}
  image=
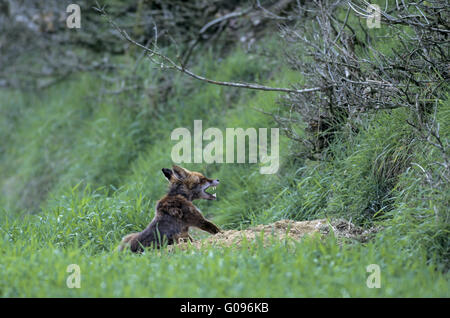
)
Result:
{"points": [[224, 18], [167, 62]]}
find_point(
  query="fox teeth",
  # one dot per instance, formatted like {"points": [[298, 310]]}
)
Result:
{"points": [[214, 195]]}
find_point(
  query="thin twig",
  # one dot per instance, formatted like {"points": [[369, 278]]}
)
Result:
{"points": [[171, 64], [224, 18]]}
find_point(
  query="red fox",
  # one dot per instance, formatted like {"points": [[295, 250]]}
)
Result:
{"points": [[175, 212]]}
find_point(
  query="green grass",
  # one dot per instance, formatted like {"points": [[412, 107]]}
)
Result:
{"points": [[79, 170], [308, 269]]}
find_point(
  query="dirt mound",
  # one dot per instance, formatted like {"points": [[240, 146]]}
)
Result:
{"points": [[286, 228], [278, 230]]}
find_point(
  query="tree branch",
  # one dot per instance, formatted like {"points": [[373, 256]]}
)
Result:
{"points": [[169, 63]]}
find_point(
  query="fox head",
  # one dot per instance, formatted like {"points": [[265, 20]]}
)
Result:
{"points": [[190, 184]]}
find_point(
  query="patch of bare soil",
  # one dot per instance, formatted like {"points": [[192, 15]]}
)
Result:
{"points": [[283, 229]]}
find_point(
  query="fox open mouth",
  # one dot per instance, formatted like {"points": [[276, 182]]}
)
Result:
{"points": [[211, 187]]}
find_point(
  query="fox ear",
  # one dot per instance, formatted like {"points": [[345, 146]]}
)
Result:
{"points": [[179, 172], [167, 173]]}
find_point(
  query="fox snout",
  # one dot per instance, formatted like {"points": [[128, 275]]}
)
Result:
{"points": [[211, 184]]}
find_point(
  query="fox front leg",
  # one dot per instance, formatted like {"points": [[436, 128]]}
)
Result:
{"points": [[196, 218], [208, 226]]}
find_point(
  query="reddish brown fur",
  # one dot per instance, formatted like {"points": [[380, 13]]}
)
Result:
{"points": [[175, 212]]}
